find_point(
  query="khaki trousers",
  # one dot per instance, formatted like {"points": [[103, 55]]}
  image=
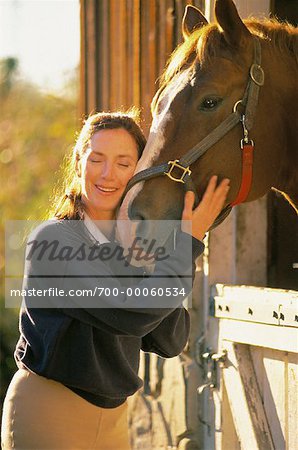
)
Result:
{"points": [[42, 414]]}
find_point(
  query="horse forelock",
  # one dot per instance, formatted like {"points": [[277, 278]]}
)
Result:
{"points": [[196, 49]]}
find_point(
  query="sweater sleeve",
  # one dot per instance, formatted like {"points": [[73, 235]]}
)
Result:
{"points": [[133, 314], [171, 335]]}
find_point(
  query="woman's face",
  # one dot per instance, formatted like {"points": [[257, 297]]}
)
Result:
{"points": [[105, 170]]}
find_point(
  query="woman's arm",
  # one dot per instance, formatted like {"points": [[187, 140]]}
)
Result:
{"points": [[170, 336], [132, 312]]}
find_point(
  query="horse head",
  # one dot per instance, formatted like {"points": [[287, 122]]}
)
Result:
{"points": [[205, 82]]}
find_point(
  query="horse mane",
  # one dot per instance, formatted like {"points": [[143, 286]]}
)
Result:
{"points": [[282, 35], [203, 44]]}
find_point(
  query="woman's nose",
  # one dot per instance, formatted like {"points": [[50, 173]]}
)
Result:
{"points": [[107, 171]]}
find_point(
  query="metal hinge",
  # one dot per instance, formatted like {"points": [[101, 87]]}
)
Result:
{"points": [[212, 361]]}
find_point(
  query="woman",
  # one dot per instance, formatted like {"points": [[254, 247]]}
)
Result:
{"points": [[78, 358]]}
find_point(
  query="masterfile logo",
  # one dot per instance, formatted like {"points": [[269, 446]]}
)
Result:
{"points": [[64, 264]]}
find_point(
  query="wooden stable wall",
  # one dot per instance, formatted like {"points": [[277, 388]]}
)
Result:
{"points": [[124, 48]]}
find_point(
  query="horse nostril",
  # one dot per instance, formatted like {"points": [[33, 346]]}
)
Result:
{"points": [[143, 226], [135, 213], [143, 229]]}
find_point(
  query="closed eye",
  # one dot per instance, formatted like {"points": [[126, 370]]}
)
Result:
{"points": [[210, 103]]}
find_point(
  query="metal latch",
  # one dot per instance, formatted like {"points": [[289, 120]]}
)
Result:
{"points": [[212, 361]]}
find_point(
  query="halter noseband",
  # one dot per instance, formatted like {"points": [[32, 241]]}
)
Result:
{"points": [[249, 103]]}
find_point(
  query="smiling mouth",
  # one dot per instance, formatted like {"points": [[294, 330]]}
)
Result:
{"points": [[105, 190]]}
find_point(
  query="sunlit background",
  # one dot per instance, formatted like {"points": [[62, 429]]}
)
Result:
{"points": [[39, 86], [44, 36]]}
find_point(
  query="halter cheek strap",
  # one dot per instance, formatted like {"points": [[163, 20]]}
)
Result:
{"points": [[251, 98]]}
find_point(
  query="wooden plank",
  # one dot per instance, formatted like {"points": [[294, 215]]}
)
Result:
{"points": [[161, 33], [160, 432], [129, 49], [140, 421], [257, 355], [152, 54], [277, 376], [83, 63], [260, 293], [144, 62], [179, 11], [229, 438], [136, 55], [292, 403], [245, 401], [288, 312], [118, 56], [247, 308], [277, 380], [91, 78], [218, 414], [121, 57], [114, 52], [276, 395], [104, 55], [170, 43], [149, 42], [222, 252], [133, 53], [260, 335], [263, 305], [173, 398], [251, 243]]}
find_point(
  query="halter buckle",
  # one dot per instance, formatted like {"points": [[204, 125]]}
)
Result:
{"points": [[175, 163]]}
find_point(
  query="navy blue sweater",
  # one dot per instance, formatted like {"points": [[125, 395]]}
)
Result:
{"points": [[95, 350]]}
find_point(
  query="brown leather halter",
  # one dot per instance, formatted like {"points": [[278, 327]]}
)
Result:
{"points": [[249, 103]]}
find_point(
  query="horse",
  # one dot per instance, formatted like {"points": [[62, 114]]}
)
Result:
{"points": [[226, 105]]}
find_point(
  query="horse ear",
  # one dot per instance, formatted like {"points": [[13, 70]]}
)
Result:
{"points": [[234, 30], [192, 19]]}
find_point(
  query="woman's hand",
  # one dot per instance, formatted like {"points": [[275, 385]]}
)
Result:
{"points": [[203, 216]]}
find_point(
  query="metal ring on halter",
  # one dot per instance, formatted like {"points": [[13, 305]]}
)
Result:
{"points": [[257, 75], [236, 105], [244, 142]]}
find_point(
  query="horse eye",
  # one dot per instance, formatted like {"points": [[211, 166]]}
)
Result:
{"points": [[210, 103]]}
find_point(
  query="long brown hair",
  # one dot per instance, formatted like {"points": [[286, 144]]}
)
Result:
{"points": [[66, 200]]}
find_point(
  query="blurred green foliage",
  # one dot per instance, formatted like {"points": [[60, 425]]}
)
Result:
{"points": [[37, 129]]}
